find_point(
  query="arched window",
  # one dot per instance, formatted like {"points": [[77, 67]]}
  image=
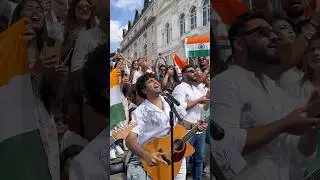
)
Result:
{"points": [[206, 12], [193, 17], [167, 32], [145, 49], [182, 24]]}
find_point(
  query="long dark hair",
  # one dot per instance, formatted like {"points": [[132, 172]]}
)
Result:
{"points": [[71, 18], [175, 74], [46, 89], [16, 16]]}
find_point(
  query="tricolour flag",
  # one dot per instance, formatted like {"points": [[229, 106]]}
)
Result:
{"points": [[178, 61], [117, 113], [198, 46], [22, 156]]}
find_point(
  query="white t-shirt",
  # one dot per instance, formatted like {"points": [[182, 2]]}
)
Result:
{"points": [[85, 44], [241, 102], [185, 93], [93, 161], [136, 75]]}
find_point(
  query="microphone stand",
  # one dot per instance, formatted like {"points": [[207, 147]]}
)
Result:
{"points": [[172, 109]]}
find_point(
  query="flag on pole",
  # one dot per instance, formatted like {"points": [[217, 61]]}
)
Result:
{"points": [[178, 61], [117, 113], [198, 46], [21, 150]]}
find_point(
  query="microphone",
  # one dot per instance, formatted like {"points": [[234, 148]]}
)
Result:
{"points": [[217, 132], [171, 98]]}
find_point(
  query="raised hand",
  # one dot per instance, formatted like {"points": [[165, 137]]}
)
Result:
{"points": [[49, 56], [298, 124]]}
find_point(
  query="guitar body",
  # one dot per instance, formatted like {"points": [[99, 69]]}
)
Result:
{"points": [[163, 171]]}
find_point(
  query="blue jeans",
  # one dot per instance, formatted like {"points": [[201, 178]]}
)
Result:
{"points": [[135, 170], [198, 141]]}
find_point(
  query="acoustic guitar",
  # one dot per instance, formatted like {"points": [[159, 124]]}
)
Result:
{"points": [[182, 149]]}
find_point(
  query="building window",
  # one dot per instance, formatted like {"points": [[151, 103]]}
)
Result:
{"points": [[182, 24], [163, 38], [145, 49], [167, 30], [206, 12], [193, 17], [135, 55]]}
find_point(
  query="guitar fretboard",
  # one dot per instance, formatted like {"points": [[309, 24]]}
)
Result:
{"points": [[192, 132], [314, 175]]}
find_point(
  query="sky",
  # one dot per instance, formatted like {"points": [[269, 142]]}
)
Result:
{"points": [[121, 12]]}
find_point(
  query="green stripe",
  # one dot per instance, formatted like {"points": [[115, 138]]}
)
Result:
{"points": [[23, 158], [198, 53], [117, 114]]}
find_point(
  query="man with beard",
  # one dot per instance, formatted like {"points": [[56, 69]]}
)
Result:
{"points": [[295, 12], [265, 133], [193, 101]]}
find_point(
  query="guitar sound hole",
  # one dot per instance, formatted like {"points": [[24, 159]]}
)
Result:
{"points": [[178, 145]]}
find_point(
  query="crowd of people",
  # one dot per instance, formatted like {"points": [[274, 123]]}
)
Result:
{"points": [[67, 55], [266, 97], [143, 87]]}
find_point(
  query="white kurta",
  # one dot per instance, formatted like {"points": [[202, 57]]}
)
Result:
{"points": [[185, 93], [291, 83], [241, 102]]}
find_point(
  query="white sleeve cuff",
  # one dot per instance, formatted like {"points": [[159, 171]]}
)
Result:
{"points": [[228, 151]]}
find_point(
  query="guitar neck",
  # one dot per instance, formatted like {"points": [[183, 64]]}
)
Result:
{"points": [[193, 131], [314, 175]]}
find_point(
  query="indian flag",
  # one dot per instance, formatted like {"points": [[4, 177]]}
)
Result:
{"points": [[198, 46], [21, 151], [117, 113]]}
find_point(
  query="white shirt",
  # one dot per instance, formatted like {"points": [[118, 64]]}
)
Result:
{"points": [[153, 122], [93, 161], [291, 83], [241, 102], [136, 75], [85, 44], [185, 93], [71, 138]]}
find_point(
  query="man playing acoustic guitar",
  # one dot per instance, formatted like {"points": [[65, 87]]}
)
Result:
{"points": [[152, 120]]}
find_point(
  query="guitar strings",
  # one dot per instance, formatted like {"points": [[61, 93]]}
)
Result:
{"points": [[315, 175]]}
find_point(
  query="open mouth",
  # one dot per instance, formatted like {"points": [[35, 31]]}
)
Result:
{"points": [[35, 18], [295, 4]]}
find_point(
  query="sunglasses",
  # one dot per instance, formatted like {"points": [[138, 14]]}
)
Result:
{"points": [[263, 31]]}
